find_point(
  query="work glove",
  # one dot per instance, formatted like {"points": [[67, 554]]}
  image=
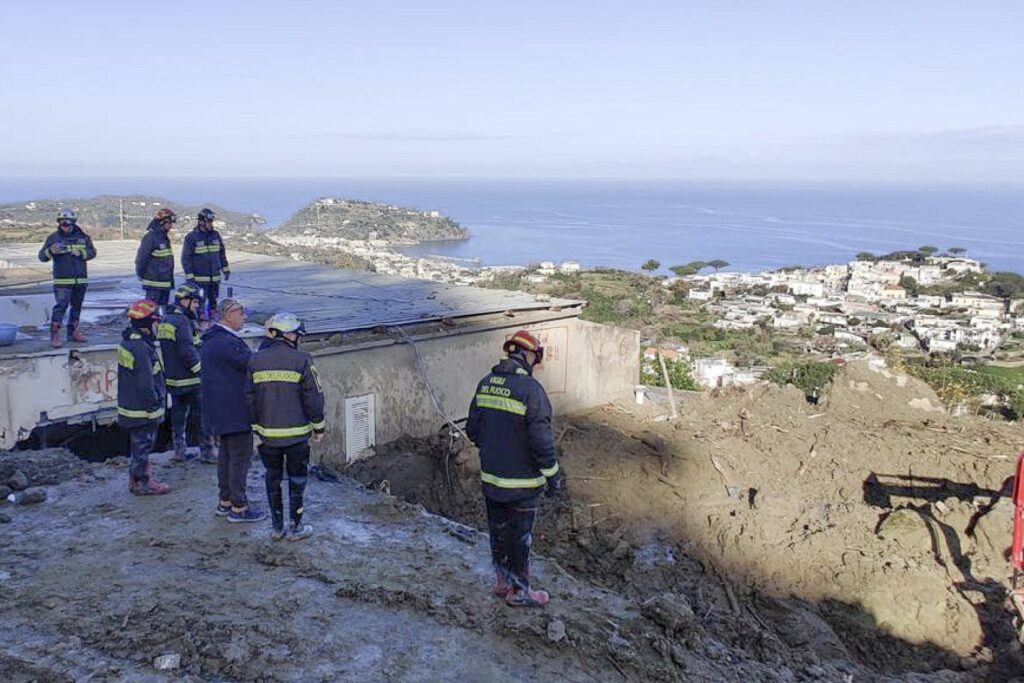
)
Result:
{"points": [[58, 248], [226, 273], [556, 484]]}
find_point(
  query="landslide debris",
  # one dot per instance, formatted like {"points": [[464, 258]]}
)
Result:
{"points": [[869, 529]]}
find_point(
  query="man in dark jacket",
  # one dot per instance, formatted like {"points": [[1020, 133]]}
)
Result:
{"points": [[69, 248], [141, 395], [154, 261], [204, 259], [179, 345], [287, 402], [510, 422], [225, 357]]}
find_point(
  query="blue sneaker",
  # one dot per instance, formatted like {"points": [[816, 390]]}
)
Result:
{"points": [[223, 509], [249, 514]]}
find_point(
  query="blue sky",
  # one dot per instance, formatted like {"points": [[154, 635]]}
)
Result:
{"points": [[902, 91]]}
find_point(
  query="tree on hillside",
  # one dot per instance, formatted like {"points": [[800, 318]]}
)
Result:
{"points": [[927, 250], [697, 265], [651, 265], [1005, 285], [683, 271], [718, 264], [957, 251], [865, 256]]}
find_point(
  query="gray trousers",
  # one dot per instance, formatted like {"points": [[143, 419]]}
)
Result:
{"points": [[233, 460]]}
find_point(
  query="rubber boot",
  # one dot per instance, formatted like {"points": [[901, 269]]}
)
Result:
{"points": [[150, 486], [74, 335], [55, 341], [521, 595], [501, 584]]}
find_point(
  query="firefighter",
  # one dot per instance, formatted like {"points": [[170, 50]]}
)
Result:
{"points": [[179, 346], [204, 259], [141, 395], [510, 422], [69, 248], [287, 403], [154, 262]]}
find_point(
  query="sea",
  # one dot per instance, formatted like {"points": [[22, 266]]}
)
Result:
{"points": [[623, 223]]}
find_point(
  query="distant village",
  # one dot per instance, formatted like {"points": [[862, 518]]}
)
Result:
{"points": [[844, 310]]}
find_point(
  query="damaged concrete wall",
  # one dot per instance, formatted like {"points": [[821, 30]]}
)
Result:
{"points": [[586, 365]]}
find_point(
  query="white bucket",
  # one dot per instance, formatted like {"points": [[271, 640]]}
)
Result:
{"points": [[638, 393]]}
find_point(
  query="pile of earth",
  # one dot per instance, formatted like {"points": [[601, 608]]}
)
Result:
{"points": [[871, 527]]}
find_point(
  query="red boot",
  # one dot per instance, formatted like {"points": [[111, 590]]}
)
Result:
{"points": [[150, 486], [76, 335], [55, 341], [526, 597], [501, 585]]}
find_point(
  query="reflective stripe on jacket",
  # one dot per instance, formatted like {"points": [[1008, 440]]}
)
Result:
{"points": [[179, 346], [154, 261], [510, 422], [284, 395], [69, 267], [203, 256], [141, 395]]}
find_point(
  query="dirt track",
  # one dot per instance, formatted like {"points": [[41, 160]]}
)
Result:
{"points": [[876, 511]]}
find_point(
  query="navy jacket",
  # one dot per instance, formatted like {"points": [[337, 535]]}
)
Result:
{"points": [[141, 395], [203, 257], [284, 395], [510, 422], [154, 261], [69, 267], [179, 346], [225, 358]]}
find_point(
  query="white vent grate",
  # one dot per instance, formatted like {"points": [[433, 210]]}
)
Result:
{"points": [[360, 426]]}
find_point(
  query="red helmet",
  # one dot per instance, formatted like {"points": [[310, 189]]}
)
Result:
{"points": [[524, 341], [166, 214], [142, 309]]}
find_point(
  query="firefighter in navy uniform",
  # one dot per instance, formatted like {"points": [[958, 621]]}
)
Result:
{"points": [[179, 346], [204, 258], [141, 395], [154, 261], [287, 403], [510, 422], [69, 248]]}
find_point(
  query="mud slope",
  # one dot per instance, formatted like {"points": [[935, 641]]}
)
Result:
{"points": [[868, 528], [95, 583]]}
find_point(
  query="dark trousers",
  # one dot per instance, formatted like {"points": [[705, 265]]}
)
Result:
{"points": [[187, 418], [294, 459], [511, 529], [141, 440], [160, 296], [212, 291], [68, 296], [233, 462]]}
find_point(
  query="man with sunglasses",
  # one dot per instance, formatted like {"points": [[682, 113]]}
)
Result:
{"points": [[154, 262], [510, 422], [69, 248]]}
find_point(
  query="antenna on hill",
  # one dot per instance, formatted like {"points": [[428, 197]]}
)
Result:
{"points": [[120, 214]]}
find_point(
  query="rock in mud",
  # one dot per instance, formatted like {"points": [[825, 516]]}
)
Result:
{"points": [[621, 550], [556, 631], [31, 497], [167, 662], [18, 481], [908, 526], [5, 518], [4, 492], [670, 611]]}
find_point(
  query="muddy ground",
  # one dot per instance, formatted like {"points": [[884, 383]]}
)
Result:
{"points": [[870, 529], [756, 538]]}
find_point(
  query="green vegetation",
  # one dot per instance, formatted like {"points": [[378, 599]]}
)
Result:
{"points": [[808, 376], [651, 265], [678, 374], [958, 385]]}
